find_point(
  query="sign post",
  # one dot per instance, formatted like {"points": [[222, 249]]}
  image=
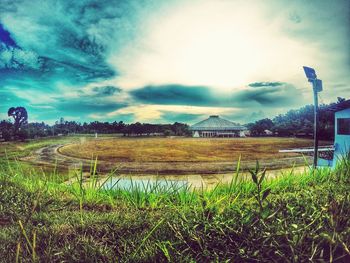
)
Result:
{"points": [[317, 87]]}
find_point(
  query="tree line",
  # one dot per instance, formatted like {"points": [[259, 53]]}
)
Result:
{"points": [[298, 123], [293, 123], [8, 130]]}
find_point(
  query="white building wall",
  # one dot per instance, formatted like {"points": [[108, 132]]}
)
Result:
{"points": [[210, 134], [196, 134], [341, 142]]}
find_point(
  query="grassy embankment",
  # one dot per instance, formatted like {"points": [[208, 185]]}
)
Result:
{"points": [[11, 152], [294, 218]]}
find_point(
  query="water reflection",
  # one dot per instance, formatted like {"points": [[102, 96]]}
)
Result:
{"points": [[147, 182]]}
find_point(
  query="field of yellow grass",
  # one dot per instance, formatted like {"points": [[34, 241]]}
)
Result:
{"points": [[183, 149]]}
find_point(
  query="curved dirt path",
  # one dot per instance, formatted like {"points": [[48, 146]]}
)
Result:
{"points": [[50, 156]]}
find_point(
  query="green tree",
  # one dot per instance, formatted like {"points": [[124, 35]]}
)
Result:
{"points": [[258, 128]]}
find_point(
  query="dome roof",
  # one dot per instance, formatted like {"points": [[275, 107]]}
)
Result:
{"points": [[215, 123]]}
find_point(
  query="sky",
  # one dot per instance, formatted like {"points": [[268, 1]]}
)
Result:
{"points": [[162, 61]]}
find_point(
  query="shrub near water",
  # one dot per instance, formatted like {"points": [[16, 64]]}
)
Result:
{"points": [[294, 218]]}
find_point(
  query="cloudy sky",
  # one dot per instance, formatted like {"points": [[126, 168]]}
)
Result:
{"points": [[173, 60]]}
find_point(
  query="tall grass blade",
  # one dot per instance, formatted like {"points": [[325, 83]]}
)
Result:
{"points": [[147, 237]]}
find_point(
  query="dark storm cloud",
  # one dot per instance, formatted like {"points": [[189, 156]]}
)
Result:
{"points": [[61, 37], [175, 94], [71, 30], [106, 90], [5, 37], [265, 84], [55, 48], [269, 94]]}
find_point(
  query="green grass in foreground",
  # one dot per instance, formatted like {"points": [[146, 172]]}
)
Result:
{"points": [[294, 218]]}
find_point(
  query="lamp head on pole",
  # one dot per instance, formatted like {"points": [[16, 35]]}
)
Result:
{"points": [[310, 74]]}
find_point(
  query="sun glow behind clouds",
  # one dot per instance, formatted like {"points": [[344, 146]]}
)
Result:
{"points": [[217, 44], [146, 113]]}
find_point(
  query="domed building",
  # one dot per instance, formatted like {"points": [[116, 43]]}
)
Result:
{"points": [[215, 126]]}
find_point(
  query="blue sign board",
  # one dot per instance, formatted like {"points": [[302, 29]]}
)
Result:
{"points": [[319, 85]]}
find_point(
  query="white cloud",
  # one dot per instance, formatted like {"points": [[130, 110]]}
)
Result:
{"points": [[46, 107], [220, 44], [33, 96], [11, 57]]}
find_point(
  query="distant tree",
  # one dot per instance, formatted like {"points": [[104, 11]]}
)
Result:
{"points": [[36, 129], [22, 135], [295, 122], [180, 129], [168, 132], [259, 127], [340, 99], [300, 122], [19, 115], [6, 129]]}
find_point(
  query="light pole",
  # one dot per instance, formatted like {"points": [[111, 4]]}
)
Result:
{"points": [[317, 87]]}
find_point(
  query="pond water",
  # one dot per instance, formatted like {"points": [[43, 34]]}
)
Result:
{"points": [[147, 182], [165, 182]]}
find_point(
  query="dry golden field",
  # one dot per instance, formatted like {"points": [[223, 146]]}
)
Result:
{"points": [[183, 149]]}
